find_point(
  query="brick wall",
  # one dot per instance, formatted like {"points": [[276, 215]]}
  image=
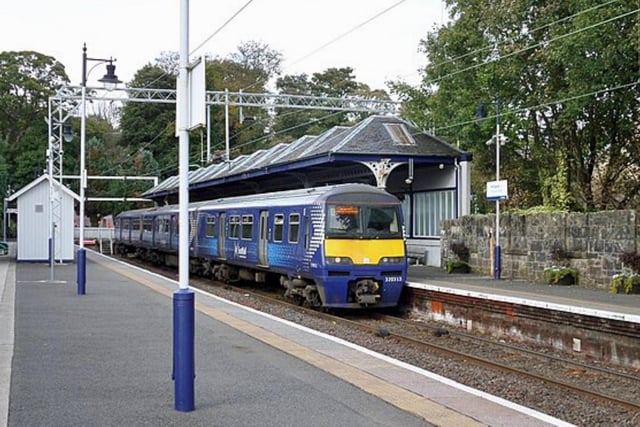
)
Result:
{"points": [[594, 242]]}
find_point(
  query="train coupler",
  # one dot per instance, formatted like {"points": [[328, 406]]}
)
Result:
{"points": [[366, 291]]}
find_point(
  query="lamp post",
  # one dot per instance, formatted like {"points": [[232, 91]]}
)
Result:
{"points": [[498, 140], [110, 80]]}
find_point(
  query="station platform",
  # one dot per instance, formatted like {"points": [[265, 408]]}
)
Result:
{"points": [[571, 299], [105, 358]]}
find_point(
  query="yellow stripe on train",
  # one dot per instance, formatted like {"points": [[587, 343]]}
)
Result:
{"points": [[364, 251]]}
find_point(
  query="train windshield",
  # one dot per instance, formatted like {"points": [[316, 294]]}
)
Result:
{"points": [[362, 222]]}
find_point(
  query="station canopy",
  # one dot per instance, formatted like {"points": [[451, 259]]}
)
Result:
{"points": [[338, 155]]}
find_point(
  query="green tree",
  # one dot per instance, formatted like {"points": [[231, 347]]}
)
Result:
{"points": [[27, 80], [291, 123], [226, 74], [565, 73], [261, 62], [151, 126]]}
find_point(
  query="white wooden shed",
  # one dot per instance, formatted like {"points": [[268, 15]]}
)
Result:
{"points": [[35, 216]]}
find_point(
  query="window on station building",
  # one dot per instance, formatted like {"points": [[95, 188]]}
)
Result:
{"points": [[399, 134], [428, 210], [278, 227], [294, 228]]}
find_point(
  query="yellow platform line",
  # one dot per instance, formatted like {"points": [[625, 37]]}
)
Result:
{"points": [[397, 396]]}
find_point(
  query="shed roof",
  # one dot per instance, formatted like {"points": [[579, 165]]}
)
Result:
{"points": [[35, 183]]}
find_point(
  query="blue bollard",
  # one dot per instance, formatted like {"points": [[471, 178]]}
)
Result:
{"points": [[183, 349], [497, 263], [82, 270]]}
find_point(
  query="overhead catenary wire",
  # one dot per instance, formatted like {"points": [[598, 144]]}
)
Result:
{"points": [[208, 38], [529, 47], [212, 35], [535, 107], [337, 38], [346, 33], [306, 56], [457, 72], [542, 105], [534, 30]]}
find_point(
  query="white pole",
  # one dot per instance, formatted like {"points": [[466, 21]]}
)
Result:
{"points": [[83, 172], [183, 298], [226, 126], [497, 252], [208, 134], [183, 154], [81, 258], [52, 257]]}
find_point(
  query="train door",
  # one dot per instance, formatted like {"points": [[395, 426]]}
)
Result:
{"points": [[307, 240], [263, 238], [174, 228], [221, 236]]}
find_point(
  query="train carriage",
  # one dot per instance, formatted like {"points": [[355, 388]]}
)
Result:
{"points": [[337, 246]]}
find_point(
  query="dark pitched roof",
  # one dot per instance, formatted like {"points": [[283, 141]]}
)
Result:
{"points": [[377, 135]]}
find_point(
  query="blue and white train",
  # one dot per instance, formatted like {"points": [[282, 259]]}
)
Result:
{"points": [[338, 246]]}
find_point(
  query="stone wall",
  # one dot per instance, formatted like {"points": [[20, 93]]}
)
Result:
{"points": [[593, 241]]}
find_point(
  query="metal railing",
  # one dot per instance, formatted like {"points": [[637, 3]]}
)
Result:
{"points": [[97, 236]]}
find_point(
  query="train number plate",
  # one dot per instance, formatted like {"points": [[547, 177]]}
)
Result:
{"points": [[393, 279]]}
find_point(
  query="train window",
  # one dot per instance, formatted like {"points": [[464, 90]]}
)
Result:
{"points": [[162, 225], [234, 227], [247, 226], [294, 228], [135, 224], [147, 224], [211, 226], [343, 219], [278, 227], [381, 219], [125, 224], [364, 221]]}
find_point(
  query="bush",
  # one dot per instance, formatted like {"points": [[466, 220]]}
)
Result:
{"points": [[460, 250], [457, 266], [560, 275], [625, 283], [631, 260], [461, 263]]}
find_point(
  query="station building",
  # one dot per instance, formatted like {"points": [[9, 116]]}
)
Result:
{"points": [[430, 176], [35, 219]]}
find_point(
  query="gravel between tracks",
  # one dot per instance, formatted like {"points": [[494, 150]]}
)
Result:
{"points": [[578, 410]]}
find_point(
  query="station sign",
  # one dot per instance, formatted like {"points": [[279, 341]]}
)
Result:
{"points": [[497, 190]]}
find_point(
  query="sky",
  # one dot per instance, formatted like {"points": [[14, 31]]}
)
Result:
{"points": [[311, 35]]}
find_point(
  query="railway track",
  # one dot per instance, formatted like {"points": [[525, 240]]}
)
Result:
{"points": [[570, 379], [574, 376]]}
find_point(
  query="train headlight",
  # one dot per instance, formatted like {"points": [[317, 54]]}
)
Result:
{"points": [[392, 260], [339, 260]]}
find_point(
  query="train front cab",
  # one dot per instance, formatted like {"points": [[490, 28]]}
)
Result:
{"points": [[363, 255]]}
